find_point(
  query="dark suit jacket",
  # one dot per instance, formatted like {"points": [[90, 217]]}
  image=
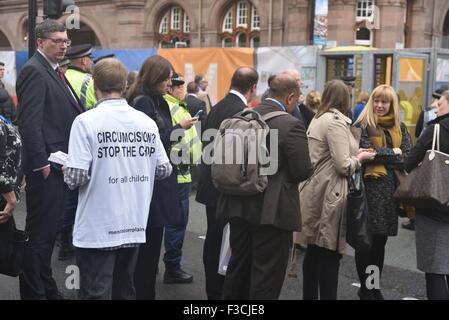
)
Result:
{"points": [[224, 109], [279, 204], [46, 112], [194, 105]]}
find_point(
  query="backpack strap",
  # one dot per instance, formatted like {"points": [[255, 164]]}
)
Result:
{"points": [[273, 114]]}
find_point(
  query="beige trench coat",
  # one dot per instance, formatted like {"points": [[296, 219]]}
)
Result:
{"points": [[332, 149]]}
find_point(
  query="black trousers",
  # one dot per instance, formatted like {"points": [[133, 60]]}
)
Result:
{"points": [[320, 273], [374, 256], [106, 275], [437, 286], [147, 264], [258, 262], [44, 200], [211, 255]]}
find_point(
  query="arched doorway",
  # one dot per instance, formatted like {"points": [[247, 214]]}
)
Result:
{"points": [[445, 40], [84, 35], [4, 42]]}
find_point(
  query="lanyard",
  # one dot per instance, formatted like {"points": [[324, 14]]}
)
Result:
{"points": [[5, 120], [278, 103]]}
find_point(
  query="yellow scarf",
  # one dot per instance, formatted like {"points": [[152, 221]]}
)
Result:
{"points": [[377, 137]]}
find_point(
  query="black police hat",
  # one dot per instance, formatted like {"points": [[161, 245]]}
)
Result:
{"points": [[98, 59], [348, 80], [437, 94], [79, 51], [176, 80]]}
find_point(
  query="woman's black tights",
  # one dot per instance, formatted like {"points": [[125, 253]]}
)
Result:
{"points": [[437, 286], [320, 271], [372, 257]]}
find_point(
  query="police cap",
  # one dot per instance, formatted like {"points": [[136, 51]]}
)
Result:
{"points": [[176, 80], [79, 51], [98, 59]]}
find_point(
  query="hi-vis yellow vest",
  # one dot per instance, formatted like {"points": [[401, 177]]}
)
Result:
{"points": [[83, 85], [190, 141]]}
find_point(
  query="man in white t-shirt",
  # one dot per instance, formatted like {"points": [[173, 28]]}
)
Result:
{"points": [[115, 154]]}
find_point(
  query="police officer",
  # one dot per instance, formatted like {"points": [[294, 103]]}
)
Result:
{"points": [[79, 73], [188, 147]]}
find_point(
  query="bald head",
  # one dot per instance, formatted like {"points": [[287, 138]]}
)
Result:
{"points": [[295, 74], [284, 88], [244, 79]]}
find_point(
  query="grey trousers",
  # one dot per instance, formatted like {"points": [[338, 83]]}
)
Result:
{"points": [[106, 275]]}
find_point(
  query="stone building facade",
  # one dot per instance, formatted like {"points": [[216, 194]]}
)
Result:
{"points": [[120, 24]]}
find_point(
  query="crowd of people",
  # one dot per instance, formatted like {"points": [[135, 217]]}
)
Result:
{"points": [[134, 157]]}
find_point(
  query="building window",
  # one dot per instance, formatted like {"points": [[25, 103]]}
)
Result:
{"points": [[227, 23], [244, 30], [175, 17], [255, 23], [226, 43], [186, 23], [255, 42], [363, 37], [174, 28], [364, 9], [163, 28], [242, 14]]}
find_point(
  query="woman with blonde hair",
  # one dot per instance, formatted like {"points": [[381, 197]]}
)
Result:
{"points": [[335, 155], [382, 131], [313, 100]]}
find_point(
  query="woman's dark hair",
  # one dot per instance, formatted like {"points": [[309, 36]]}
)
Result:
{"points": [[154, 70]]}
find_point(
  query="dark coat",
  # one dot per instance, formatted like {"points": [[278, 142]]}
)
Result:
{"points": [[379, 192], [278, 205], [46, 112], [230, 105], [194, 105], [164, 209], [7, 107], [418, 152], [307, 114]]}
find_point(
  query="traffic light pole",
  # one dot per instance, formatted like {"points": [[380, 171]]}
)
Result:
{"points": [[32, 14]]}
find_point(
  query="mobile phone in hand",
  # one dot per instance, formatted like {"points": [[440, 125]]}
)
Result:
{"points": [[199, 113]]}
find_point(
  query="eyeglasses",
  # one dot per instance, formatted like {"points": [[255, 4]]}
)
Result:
{"points": [[67, 42]]}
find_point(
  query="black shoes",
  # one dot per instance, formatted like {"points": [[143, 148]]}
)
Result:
{"points": [[365, 294], [410, 225], [177, 276]]}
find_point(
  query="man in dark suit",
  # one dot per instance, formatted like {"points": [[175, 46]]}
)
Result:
{"points": [[194, 104], [243, 89], [261, 226], [47, 108]]}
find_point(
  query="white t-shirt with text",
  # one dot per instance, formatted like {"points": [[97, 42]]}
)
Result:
{"points": [[121, 148]]}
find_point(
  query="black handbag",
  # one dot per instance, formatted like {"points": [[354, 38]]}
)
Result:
{"points": [[12, 248], [358, 232]]}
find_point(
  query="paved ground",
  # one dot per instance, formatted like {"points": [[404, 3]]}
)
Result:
{"points": [[400, 279]]}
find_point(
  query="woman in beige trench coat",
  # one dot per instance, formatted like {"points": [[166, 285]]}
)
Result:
{"points": [[335, 154]]}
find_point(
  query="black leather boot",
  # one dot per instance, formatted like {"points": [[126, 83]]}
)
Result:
{"points": [[177, 275]]}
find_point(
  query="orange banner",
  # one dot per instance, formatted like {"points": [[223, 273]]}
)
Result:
{"points": [[216, 64]]}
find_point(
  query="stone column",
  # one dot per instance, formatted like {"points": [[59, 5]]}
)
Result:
{"points": [[392, 23], [341, 21]]}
